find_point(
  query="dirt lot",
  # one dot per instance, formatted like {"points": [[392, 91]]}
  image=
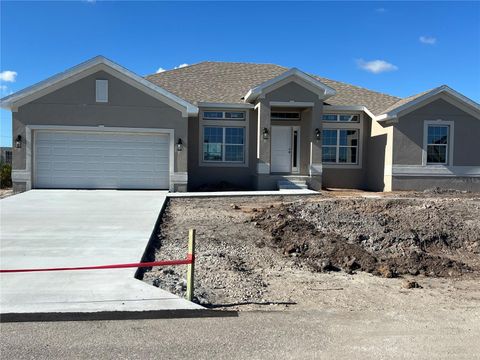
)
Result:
{"points": [[6, 192], [336, 251]]}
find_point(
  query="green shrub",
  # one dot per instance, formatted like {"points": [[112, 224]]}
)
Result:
{"points": [[6, 176]]}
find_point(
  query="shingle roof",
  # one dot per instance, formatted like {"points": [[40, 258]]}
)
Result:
{"points": [[405, 101], [228, 82]]}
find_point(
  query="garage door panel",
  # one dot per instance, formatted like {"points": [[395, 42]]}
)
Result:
{"points": [[101, 160]]}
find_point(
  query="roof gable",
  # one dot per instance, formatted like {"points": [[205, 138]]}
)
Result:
{"points": [[411, 103], [98, 63], [323, 91]]}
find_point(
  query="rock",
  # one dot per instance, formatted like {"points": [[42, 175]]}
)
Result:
{"points": [[410, 284], [234, 206], [386, 271], [326, 265]]}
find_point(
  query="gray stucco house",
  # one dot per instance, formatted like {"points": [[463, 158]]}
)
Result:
{"points": [[98, 125]]}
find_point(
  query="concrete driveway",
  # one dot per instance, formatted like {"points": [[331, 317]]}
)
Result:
{"points": [[64, 228]]}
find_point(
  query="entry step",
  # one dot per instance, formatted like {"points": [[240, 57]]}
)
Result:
{"points": [[292, 184]]}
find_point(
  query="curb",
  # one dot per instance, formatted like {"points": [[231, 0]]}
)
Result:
{"points": [[115, 315]]}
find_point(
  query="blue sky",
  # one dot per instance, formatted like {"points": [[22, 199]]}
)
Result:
{"points": [[400, 48]]}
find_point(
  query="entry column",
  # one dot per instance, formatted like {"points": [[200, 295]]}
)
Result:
{"points": [[263, 137]]}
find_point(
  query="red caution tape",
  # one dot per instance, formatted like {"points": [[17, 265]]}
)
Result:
{"points": [[189, 260]]}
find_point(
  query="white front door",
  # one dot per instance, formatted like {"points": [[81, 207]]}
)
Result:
{"points": [[281, 156]]}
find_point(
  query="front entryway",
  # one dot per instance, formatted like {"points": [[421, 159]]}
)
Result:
{"points": [[285, 152]]}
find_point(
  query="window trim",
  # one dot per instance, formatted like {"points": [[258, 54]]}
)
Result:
{"points": [[240, 123], [450, 144], [224, 118], [338, 146], [224, 144], [338, 114], [286, 112], [359, 126], [99, 85]]}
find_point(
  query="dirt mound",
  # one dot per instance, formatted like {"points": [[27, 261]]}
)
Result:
{"points": [[383, 237]]}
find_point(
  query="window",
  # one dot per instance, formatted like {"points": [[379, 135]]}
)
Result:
{"points": [[8, 157], [285, 115], [101, 90], [340, 146], [437, 144], [341, 117], [223, 144], [224, 115]]}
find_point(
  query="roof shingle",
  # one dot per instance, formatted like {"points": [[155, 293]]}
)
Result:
{"points": [[227, 82]]}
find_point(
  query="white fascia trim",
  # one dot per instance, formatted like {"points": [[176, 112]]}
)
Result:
{"points": [[441, 89], [325, 91], [14, 100], [332, 108], [225, 105], [436, 170], [300, 104]]}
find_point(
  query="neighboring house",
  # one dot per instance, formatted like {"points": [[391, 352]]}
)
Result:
{"points": [[6, 155], [98, 125]]}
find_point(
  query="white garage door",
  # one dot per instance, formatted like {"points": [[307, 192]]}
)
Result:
{"points": [[101, 160]]}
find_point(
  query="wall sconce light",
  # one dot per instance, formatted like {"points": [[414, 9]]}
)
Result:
{"points": [[318, 134], [18, 141], [179, 145], [265, 134]]}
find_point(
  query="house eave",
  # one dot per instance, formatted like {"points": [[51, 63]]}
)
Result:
{"points": [[13, 101]]}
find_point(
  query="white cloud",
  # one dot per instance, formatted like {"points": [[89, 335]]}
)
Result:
{"points": [[429, 40], [376, 66], [180, 66], [380, 10], [160, 69], [8, 76]]}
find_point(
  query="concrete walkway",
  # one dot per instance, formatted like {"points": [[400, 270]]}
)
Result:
{"points": [[65, 228], [244, 193]]}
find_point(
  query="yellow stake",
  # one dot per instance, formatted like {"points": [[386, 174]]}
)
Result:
{"points": [[191, 267]]}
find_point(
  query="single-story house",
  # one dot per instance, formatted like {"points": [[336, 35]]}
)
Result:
{"points": [[255, 126]]}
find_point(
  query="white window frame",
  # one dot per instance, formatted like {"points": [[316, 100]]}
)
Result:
{"points": [[224, 118], [334, 125], [101, 91], [450, 145], [338, 118], [224, 144], [338, 146], [224, 123]]}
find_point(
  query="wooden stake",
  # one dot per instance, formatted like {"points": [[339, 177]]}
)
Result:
{"points": [[191, 267]]}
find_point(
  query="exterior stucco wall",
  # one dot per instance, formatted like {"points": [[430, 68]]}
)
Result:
{"points": [[420, 183], [210, 175], [408, 134], [75, 105], [379, 157], [345, 176], [408, 138], [310, 147], [259, 148]]}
